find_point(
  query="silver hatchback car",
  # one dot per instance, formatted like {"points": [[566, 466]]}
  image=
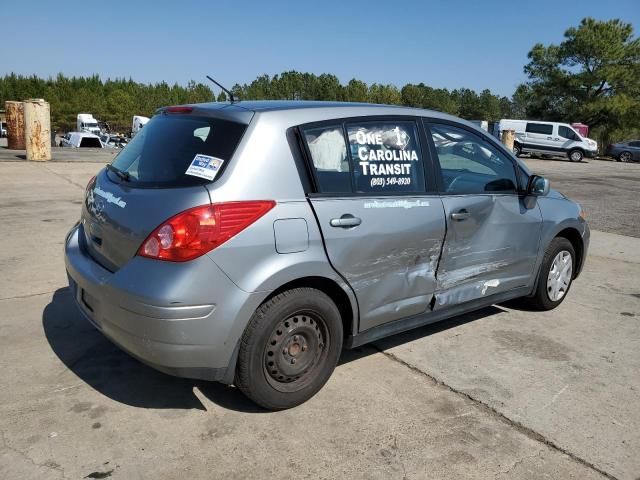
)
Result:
{"points": [[249, 243]]}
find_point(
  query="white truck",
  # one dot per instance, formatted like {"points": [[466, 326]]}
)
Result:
{"points": [[138, 122], [86, 123]]}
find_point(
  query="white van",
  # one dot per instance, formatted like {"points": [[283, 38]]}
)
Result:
{"points": [[549, 138]]}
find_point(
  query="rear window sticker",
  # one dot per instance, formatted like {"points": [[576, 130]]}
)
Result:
{"points": [[204, 166]]}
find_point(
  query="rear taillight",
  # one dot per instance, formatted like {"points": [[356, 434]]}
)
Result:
{"points": [[196, 231]]}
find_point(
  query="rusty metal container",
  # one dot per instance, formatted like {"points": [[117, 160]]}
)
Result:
{"points": [[37, 129], [15, 124], [508, 136]]}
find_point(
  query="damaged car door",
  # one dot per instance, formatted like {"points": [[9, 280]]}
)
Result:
{"points": [[492, 236], [383, 232]]}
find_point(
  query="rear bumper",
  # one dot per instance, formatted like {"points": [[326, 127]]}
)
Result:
{"points": [[184, 319]]}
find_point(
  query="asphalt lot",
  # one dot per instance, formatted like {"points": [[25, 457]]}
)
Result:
{"points": [[608, 190], [500, 393]]}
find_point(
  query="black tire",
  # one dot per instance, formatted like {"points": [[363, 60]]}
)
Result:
{"points": [[277, 337], [541, 299], [517, 150], [576, 155], [625, 157]]}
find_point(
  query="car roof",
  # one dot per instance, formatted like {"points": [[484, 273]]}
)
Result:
{"points": [[279, 105], [314, 109]]}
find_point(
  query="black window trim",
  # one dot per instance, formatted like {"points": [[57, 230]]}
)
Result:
{"points": [[520, 190], [430, 187], [526, 128]]}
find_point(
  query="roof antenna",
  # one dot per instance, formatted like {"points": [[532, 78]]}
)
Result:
{"points": [[228, 92]]}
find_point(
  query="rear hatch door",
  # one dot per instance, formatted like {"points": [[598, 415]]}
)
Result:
{"points": [[160, 173]]}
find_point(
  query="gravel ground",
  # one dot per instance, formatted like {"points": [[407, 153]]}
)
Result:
{"points": [[609, 191], [500, 393]]}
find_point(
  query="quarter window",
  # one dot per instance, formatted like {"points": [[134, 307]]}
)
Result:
{"points": [[386, 157], [542, 128], [470, 164]]}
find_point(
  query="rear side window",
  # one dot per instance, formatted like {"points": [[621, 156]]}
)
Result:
{"points": [[634, 144], [541, 128], [376, 157], [161, 153], [386, 157]]}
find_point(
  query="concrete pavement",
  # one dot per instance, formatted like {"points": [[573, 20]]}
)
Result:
{"points": [[500, 393]]}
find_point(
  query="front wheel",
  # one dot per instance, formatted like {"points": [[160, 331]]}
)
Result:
{"points": [[576, 155], [289, 348], [556, 275]]}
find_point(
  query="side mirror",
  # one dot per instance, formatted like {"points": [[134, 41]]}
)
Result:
{"points": [[538, 186]]}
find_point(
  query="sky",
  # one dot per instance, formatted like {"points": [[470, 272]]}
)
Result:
{"points": [[442, 43]]}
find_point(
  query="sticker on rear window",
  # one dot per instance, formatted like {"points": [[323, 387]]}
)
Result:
{"points": [[204, 166]]}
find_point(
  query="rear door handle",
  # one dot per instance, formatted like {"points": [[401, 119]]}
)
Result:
{"points": [[460, 215], [345, 221]]}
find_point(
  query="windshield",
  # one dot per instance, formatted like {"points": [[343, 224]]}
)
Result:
{"points": [[176, 150]]}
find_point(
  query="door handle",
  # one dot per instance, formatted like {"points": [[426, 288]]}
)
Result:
{"points": [[345, 221], [460, 215]]}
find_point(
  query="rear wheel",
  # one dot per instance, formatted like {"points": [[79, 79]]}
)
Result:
{"points": [[576, 155], [556, 275], [625, 157], [289, 349]]}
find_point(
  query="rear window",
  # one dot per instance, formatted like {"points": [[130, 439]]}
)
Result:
{"points": [[90, 142], [179, 150]]}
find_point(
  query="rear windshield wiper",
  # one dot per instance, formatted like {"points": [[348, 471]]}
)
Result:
{"points": [[121, 174]]}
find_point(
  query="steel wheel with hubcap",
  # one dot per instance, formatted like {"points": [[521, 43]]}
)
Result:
{"points": [[289, 348], [555, 275], [576, 156], [559, 276]]}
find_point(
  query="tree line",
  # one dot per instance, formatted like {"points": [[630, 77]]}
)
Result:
{"points": [[592, 76], [115, 101], [294, 85]]}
